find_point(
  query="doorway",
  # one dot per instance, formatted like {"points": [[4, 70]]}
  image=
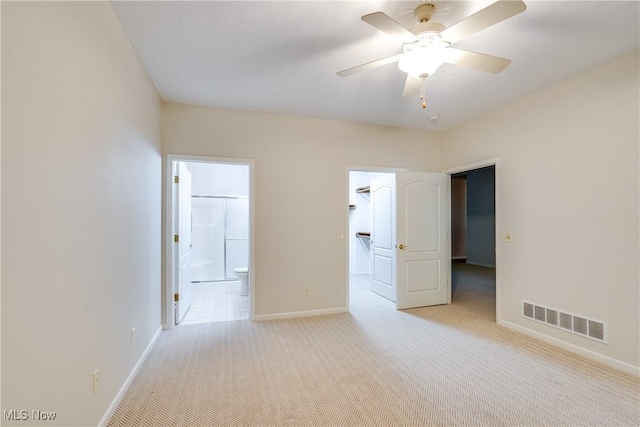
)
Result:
{"points": [[361, 223], [210, 240], [474, 252], [405, 231]]}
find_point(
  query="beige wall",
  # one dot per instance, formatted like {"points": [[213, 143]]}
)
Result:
{"points": [[81, 171], [81, 174], [300, 190], [569, 191]]}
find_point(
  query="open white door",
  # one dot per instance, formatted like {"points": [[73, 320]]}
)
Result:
{"points": [[383, 253], [183, 299], [423, 259]]}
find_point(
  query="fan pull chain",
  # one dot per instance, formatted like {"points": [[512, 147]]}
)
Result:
{"points": [[424, 103]]}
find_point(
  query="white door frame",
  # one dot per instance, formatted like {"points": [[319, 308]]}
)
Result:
{"points": [[357, 168], [182, 250], [168, 314], [495, 161]]}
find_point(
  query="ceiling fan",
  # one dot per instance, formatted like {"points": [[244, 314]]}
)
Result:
{"points": [[427, 45]]}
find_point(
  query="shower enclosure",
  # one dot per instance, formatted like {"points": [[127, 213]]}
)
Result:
{"points": [[220, 237]]}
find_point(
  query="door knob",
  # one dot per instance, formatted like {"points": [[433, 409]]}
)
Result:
{"points": [[402, 247]]}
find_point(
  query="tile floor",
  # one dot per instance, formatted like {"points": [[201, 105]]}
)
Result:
{"points": [[221, 301], [216, 302]]}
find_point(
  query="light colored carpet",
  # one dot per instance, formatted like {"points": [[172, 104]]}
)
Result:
{"points": [[375, 366]]}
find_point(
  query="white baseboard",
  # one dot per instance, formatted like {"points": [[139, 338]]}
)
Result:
{"points": [[606, 360], [116, 401], [480, 264], [299, 314], [459, 257]]}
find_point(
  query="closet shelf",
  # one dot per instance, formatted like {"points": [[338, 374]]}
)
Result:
{"points": [[352, 207], [363, 234], [366, 189]]}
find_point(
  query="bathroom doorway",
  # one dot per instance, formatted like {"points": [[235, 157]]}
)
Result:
{"points": [[210, 241]]}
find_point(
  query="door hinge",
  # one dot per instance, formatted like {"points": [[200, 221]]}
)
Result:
{"points": [[176, 238], [176, 297], [176, 179]]}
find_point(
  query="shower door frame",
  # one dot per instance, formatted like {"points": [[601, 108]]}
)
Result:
{"points": [[169, 282]]}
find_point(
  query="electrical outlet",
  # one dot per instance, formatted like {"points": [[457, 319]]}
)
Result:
{"points": [[307, 291], [95, 379], [133, 336]]}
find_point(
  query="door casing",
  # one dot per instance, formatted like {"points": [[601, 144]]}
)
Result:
{"points": [[182, 224], [170, 204], [494, 161], [357, 168]]}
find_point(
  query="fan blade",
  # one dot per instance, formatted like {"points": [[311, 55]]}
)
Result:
{"points": [[479, 61], [411, 86], [367, 66], [387, 25], [497, 12]]}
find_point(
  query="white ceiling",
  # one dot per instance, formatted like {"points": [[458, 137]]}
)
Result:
{"points": [[282, 56]]}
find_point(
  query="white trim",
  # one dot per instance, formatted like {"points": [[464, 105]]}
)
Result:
{"points": [[606, 360], [381, 169], [168, 314], [449, 238], [116, 401], [295, 314], [494, 161], [473, 165], [460, 257], [481, 264]]}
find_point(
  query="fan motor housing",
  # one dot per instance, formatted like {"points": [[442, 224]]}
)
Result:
{"points": [[424, 12], [427, 27]]}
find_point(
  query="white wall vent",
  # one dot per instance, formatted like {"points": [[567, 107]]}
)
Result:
{"points": [[577, 324]]}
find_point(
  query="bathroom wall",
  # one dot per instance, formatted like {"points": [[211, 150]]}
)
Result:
{"points": [[219, 179]]}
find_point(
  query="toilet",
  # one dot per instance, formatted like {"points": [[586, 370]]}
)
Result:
{"points": [[243, 275]]}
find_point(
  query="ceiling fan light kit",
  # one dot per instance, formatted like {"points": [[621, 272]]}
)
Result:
{"points": [[428, 44], [424, 56]]}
